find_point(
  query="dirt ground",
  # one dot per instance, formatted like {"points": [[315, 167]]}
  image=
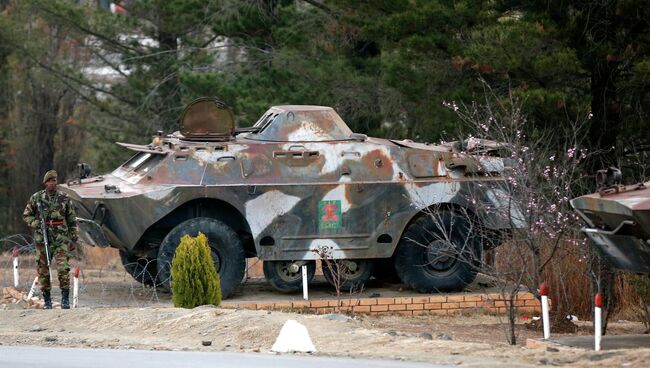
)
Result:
{"points": [[464, 340], [472, 340], [117, 312]]}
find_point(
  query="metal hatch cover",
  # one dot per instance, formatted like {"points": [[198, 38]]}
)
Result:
{"points": [[301, 123], [207, 118]]}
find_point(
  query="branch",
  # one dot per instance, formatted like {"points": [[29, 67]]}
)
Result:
{"points": [[88, 31], [323, 7]]}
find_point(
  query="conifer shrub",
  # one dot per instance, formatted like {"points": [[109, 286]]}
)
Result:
{"points": [[194, 279]]}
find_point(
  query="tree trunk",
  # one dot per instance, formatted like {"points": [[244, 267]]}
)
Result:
{"points": [[44, 116], [603, 278], [169, 95], [605, 107]]}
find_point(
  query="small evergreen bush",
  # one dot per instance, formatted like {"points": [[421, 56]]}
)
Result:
{"points": [[194, 281]]}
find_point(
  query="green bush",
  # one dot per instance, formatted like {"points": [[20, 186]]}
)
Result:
{"points": [[194, 281]]}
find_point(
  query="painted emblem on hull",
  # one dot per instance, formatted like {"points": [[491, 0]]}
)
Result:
{"points": [[329, 214]]}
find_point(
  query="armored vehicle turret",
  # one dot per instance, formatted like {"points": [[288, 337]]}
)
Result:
{"points": [[295, 187]]}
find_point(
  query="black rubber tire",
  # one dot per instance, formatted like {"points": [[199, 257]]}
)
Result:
{"points": [[227, 252], [277, 273], [350, 280], [423, 263], [143, 270]]}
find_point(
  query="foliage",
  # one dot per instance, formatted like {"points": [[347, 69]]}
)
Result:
{"points": [[606, 41], [194, 279], [39, 131]]}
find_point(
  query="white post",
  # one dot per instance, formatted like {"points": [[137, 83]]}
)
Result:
{"points": [[547, 326], [597, 327], [543, 290], [75, 288], [598, 321], [16, 276], [305, 291], [32, 289]]}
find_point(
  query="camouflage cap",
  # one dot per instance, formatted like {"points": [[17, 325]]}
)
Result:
{"points": [[49, 175]]}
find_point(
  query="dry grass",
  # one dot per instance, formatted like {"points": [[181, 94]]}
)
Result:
{"points": [[629, 306], [570, 285], [99, 258], [567, 276]]}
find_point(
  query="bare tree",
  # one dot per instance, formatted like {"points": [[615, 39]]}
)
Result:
{"points": [[336, 272], [41, 132], [542, 172]]}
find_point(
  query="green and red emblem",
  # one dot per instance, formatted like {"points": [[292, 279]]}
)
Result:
{"points": [[329, 214]]}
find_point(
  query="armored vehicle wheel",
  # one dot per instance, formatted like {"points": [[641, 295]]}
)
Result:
{"points": [[285, 278], [227, 252], [352, 273], [142, 269], [438, 253]]}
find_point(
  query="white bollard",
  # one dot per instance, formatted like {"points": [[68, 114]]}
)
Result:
{"points": [[75, 288], [598, 321], [543, 290], [33, 288], [16, 276], [305, 291]]}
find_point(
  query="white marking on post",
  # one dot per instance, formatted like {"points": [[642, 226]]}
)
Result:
{"points": [[16, 276], [597, 328], [543, 291], [598, 320], [75, 288], [305, 291], [32, 289], [545, 319]]}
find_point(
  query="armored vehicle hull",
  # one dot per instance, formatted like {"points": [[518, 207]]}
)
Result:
{"points": [[297, 187], [618, 224]]}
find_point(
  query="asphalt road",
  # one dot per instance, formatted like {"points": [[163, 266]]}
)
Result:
{"points": [[39, 357], [607, 343]]}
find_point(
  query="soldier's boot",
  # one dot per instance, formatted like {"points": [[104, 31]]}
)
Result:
{"points": [[65, 298], [47, 299]]}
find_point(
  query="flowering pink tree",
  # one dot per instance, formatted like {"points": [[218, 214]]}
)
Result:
{"points": [[543, 172]]}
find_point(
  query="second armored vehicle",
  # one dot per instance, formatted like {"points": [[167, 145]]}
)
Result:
{"points": [[618, 221]]}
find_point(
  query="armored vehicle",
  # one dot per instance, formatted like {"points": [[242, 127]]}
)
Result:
{"points": [[297, 187], [618, 221]]}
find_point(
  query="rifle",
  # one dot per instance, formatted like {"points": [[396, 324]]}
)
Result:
{"points": [[45, 240]]}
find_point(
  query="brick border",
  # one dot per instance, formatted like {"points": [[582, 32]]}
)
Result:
{"points": [[407, 306]]}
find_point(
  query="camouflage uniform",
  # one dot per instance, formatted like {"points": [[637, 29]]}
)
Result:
{"points": [[61, 231]]}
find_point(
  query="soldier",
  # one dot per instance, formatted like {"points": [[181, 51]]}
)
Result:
{"points": [[61, 228]]}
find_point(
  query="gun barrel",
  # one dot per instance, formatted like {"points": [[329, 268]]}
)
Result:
{"points": [[46, 243]]}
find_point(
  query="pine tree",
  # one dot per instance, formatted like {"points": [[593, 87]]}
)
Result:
{"points": [[195, 280]]}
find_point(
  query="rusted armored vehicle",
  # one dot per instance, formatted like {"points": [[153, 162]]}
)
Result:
{"points": [[618, 221], [297, 186]]}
